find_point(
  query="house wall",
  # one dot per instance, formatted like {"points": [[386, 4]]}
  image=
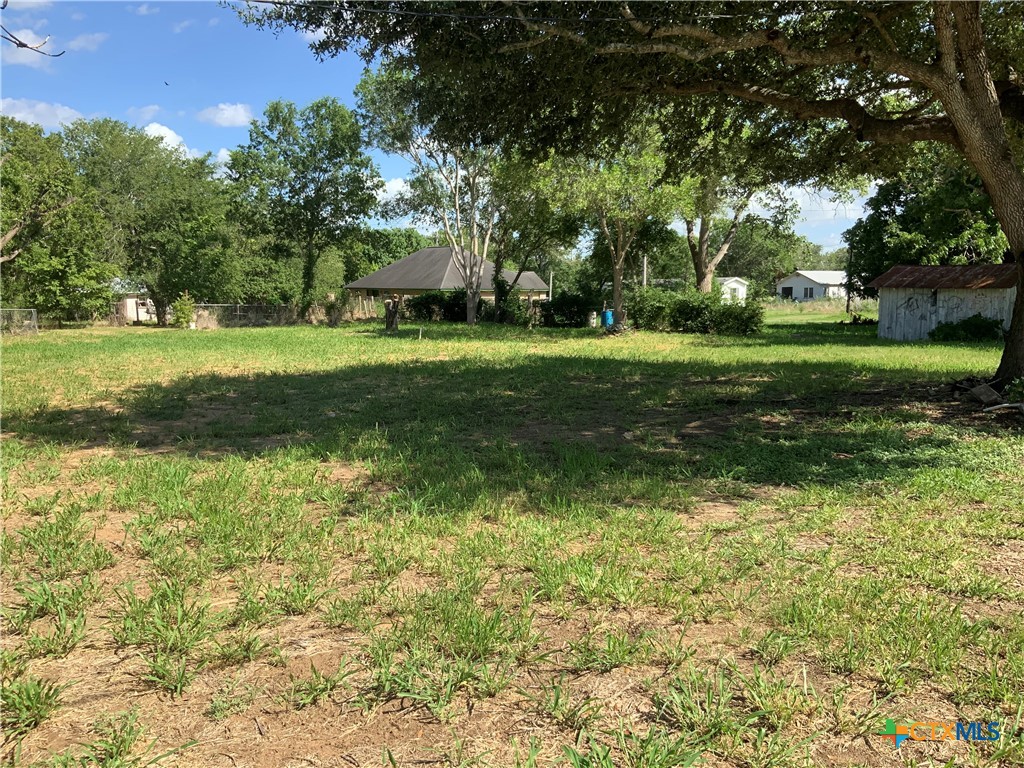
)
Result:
{"points": [[798, 283], [908, 314]]}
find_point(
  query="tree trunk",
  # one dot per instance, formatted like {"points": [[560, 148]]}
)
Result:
{"points": [[308, 279], [472, 302], [160, 305], [1011, 366], [973, 107]]}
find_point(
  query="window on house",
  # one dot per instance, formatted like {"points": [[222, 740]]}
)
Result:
{"points": [[809, 292]]}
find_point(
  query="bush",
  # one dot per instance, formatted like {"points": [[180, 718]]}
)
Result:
{"points": [[183, 311], [974, 328], [651, 308], [695, 312], [740, 319], [432, 306], [690, 311], [567, 310]]}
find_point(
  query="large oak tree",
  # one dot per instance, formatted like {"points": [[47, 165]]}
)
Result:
{"points": [[829, 80]]}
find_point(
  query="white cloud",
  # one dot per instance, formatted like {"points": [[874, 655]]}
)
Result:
{"points": [[170, 138], [24, 56], [88, 42], [143, 10], [40, 112], [393, 188], [227, 115], [78, 17], [181, 26], [313, 35], [213, 22], [223, 155], [143, 114]]}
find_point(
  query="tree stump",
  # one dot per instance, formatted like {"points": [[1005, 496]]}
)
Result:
{"points": [[391, 307]]}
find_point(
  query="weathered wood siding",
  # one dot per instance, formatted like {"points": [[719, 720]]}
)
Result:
{"points": [[908, 314]]}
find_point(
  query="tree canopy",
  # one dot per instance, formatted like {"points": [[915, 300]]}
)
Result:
{"points": [[824, 86], [934, 212], [306, 178]]}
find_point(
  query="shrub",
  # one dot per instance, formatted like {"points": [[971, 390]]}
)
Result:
{"points": [[432, 306], [567, 310], [694, 312], [651, 309], [690, 311], [974, 328], [183, 311], [739, 319]]}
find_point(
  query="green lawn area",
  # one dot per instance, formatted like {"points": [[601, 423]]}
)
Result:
{"points": [[506, 547]]}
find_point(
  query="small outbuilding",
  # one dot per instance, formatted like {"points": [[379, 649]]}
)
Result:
{"points": [[912, 300], [434, 269], [812, 284], [734, 289]]}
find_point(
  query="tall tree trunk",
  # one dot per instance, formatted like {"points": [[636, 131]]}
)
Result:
{"points": [[972, 103], [472, 302], [159, 304], [703, 266], [308, 278]]}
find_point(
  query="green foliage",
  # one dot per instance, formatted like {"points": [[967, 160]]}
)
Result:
{"points": [[973, 328], [305, 180], [165, 212], [693, 312], [568, 310], [26, 702], [37, 181], [56, 257], [652, 308], [183, 311], [438, 305], [935, 211]]}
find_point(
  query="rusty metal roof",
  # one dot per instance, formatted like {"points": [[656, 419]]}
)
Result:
{"points": [[969, 277]]}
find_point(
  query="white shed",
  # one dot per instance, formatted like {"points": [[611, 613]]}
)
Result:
{"points": [[734, 289], [812, 284], [912, 300]]}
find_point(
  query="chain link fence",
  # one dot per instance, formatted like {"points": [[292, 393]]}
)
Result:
{"points": [[18, 321]]}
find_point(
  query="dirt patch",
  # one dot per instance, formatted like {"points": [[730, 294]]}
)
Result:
{"points": [[710, 513], [1006, 563]]}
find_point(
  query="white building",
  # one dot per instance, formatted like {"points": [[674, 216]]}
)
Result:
{"points": [[734, 289], [913, 300], [812, 284]]}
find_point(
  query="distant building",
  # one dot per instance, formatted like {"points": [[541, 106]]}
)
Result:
{"points": [[434, 269], [734, 289], [912, 300], [812, 284]]}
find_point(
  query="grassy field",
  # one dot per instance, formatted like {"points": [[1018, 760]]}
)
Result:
{"points": [[329, 547]]}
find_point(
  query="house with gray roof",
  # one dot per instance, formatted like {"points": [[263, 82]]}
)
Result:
{"points": [[434, 269], [812, 284]]}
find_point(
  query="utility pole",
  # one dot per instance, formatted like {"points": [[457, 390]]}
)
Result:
{"points": [[645, 271]]}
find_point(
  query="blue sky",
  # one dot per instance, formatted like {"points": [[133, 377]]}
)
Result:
{"points": [[194, 74]]}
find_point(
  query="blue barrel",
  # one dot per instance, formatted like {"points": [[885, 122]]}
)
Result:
{"points": [[607, 318]]}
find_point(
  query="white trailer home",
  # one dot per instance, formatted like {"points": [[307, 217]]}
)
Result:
{"points": [[912, 300], [812, 284]]}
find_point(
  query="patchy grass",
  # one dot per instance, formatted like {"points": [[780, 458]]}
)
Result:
{"points": [[502, 547]]}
